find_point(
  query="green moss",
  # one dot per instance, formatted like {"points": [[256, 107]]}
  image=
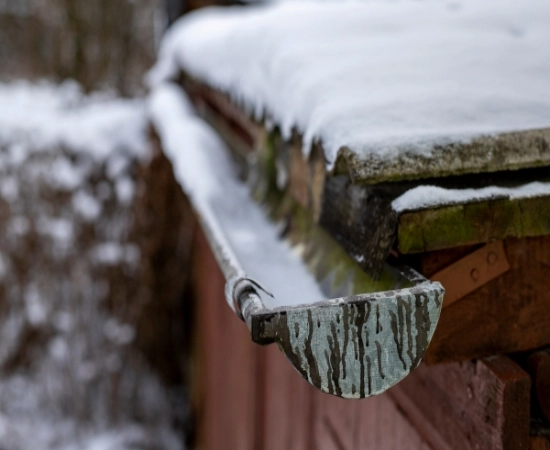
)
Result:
{"points": [[473, 223]]}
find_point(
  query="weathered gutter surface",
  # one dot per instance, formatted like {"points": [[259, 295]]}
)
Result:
{"points": [[347, 333]]}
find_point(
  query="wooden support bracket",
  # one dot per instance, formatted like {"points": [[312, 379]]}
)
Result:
{"points": [[472, 271]]}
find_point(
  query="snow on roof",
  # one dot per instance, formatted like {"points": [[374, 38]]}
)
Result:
{"points": [[424, 197], [379, 79]]}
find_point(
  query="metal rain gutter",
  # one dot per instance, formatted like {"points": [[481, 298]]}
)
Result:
{"points": [[346, 333]]}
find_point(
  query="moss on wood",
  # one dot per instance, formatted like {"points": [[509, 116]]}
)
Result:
{"points": [[473, 223]]}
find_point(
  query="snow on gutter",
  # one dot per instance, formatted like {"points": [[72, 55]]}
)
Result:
{"points": [[202, 167], [365, 335]]}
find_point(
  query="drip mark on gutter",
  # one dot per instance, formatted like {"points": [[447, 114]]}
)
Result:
{"points": [[398, 342], [362, 315], [329, 374], [312, 363], [406, 307], [335, 358], [423, 325], [346, 341], [436, 299], [369, 376], [379, 355], [354, 341], [293, 354], [378, 326]]}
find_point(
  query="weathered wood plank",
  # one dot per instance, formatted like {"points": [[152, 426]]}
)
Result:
{"points": [[538, 366], [374, 423], [510, 313], [381, 424], [288, 405], [506, 151], [361, 219], [299, 417], [539, 443], [471, 405], [472, 223], [540, 427]]}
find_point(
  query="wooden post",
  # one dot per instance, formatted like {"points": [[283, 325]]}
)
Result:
{"points": [[539, 443], [538, 365]]}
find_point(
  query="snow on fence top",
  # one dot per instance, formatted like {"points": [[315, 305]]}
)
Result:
{"points": [[401, 89], [424, 197], [45, 115]]}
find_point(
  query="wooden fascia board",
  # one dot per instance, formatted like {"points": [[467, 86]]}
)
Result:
{"points": [[417, 231], [472, 223]]}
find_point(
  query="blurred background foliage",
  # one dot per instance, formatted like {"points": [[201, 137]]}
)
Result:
{"points": [[95, 317], [101, 43]]}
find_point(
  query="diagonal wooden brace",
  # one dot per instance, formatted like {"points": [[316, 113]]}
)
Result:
{"points": [[473, 271]]}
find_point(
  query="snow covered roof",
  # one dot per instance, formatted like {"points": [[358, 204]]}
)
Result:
{"points": [[400, 90]]}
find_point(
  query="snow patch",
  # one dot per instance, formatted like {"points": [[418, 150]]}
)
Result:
{"points": [[432, 196], [44, 115], [124, 188], [111, 253]]}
